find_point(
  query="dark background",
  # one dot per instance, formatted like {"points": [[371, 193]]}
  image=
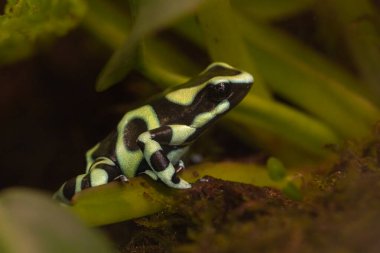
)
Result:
{"points": [[51, 113]]}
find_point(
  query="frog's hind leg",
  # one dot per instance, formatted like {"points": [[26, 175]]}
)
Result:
{"points": [[102, 171]]}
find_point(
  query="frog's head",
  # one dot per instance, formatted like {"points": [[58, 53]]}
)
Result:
{"points": [[225, 83], [212, 93]]}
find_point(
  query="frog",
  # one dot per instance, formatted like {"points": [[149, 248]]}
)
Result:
{"points": [[152, 138]]}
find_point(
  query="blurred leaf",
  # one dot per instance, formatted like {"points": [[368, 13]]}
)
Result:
{"points": [[26, 23], [292, 191], [225, 43], [142, 196], [358, 23], [272, 9], [156, 14], [152, 16], [294, 126], [108, 23], [31, 222], [309, 81], [276, 169], [190, 29], [161, 61]]}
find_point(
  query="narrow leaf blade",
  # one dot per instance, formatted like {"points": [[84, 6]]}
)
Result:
{"points": [[152, 16]]}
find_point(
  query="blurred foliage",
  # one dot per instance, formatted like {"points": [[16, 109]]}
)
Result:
{"points": [[272, 9], [357, 24], [31, 222], [276, 169], [28, 23], [123, 59]]}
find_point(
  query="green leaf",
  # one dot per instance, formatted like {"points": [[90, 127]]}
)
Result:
{"points": [[272, 9], [152, 16], [294, 126], [292, 191], [32, 222], [276, 169], [26, 23], [107, 22], [164, 64], [225, 43]]}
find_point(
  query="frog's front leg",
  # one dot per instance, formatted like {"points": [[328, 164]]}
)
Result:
{"points": [[150, 144]]}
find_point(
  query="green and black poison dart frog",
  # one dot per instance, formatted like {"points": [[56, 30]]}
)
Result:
{"points": [[152, 138]]}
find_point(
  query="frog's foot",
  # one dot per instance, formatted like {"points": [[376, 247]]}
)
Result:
{"points": [[171, 179], [121, 178], [179, 166], [182, 184]]}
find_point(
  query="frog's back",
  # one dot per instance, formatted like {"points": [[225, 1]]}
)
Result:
{"points": [[121, 145]]}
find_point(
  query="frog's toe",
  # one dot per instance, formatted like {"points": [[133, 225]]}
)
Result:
{"points": [[121, 178], [184, 184], [180, 166], [179, 183]]}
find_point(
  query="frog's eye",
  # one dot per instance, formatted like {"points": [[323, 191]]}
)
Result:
{"points": [[219, 91]]}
